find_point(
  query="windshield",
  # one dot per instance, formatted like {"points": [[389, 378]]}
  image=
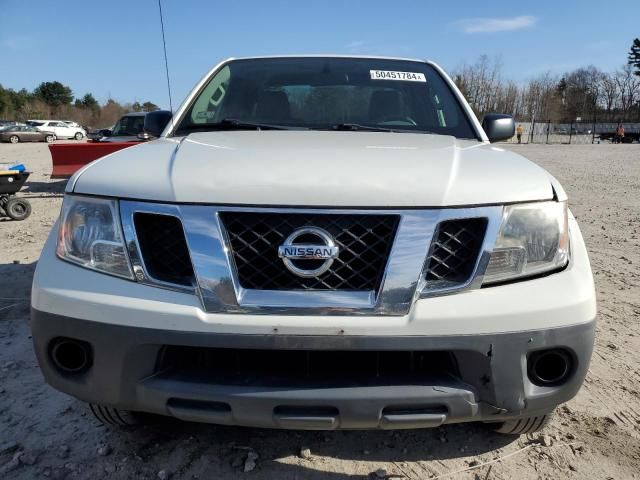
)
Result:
{"points": [[129, 126], [329, 93]]}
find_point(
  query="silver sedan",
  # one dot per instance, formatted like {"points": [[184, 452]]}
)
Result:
{"points": [[24, 133]]}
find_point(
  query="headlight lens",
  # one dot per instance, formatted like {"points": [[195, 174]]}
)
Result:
{"points": [[90, 235], [533, 238]]}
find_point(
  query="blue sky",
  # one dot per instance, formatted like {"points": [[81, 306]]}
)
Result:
{"points": [[114, 48]]}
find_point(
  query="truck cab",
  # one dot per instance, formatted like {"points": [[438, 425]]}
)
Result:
{"points": [[137, 126]]}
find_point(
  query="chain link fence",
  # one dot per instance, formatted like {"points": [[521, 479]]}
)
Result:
{"points": [[580, 133]]}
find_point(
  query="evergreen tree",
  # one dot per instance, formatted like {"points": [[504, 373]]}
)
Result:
{"points": [[54, 94], [634, 56], [149, 107]]}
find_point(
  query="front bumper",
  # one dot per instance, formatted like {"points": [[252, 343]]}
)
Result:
{"points": [[492, 384], [489, 331]]}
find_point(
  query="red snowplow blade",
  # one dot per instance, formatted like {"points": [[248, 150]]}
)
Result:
{"points": [[69, 157]]}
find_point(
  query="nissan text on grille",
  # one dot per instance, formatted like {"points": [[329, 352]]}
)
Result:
{"points": [[318, 242]]}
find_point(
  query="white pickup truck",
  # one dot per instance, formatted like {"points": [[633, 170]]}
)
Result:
{"points": [[318, 243]]}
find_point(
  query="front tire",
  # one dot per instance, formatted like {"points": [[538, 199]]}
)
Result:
{"points": [[18, 208], [114, 416], [78, 136], [49, 138], [14, 139], [521, 426]]}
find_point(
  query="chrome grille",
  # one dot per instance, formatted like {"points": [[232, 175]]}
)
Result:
{"points": [[412, 235], [454, 251], [364, 241]]}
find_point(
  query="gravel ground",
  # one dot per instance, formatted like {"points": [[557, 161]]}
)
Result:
{"points": [[44, 433]]}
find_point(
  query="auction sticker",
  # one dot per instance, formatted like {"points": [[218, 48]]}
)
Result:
{"points": [[402, 76]]}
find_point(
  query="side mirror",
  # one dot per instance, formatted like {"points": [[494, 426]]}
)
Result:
{"points": [[498, 126], [144, 136], [154, 123]]}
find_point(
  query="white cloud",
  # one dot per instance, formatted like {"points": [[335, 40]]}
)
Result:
{"points": [[491, 25]]}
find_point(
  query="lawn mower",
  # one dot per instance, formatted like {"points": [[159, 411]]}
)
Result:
{"points": [[11, 181]]}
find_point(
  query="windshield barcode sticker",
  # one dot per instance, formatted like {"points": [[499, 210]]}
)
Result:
{"points": [[402, 76]]}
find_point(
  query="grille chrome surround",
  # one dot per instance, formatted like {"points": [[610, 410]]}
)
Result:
{"points": [[364, 243], [403, 282]]}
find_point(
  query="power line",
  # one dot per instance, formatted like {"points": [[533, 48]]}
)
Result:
{"points": [[166, 63]]}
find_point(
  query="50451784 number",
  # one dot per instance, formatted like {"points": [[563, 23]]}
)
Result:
{"points": [[392, 75]]}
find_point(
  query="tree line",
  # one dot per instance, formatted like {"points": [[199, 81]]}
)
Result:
{"points": [[583, 94], [587, 94], [56, 100]]}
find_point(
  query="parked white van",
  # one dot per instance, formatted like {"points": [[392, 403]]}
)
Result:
{"points": [[60, 128]]}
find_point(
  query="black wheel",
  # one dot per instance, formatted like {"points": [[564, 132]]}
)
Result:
{"points": [[115, 416], [520, 426], [18, 208], [14, 139], [78, 136], [49, 138]]}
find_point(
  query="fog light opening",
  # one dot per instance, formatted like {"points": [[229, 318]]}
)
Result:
{"points": [[71, 356], [550, 367]]}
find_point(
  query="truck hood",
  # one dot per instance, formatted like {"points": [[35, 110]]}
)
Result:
{"points": [[316, 168]]}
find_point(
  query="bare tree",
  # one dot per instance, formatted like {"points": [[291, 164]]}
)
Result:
{"points": [[609, 89], [581, 91], [586, 93], [481, 84], [628, 90], [507, 99], [540, 99]]}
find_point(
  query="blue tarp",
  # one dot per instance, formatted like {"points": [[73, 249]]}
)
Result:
{"points": [[19, 167]]}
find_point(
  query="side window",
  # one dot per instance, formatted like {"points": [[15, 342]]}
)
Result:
{"points": [[207, 107]]}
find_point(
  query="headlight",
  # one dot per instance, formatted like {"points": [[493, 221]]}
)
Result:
{"points": [[90, 235], [533, 238]]}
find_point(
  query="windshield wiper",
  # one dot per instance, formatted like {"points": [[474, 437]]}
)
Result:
{"points": [[234, 124], [354, 127], [351, 127]]}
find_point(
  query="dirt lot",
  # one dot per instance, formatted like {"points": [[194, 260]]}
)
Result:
{"points": [[44, 433]]}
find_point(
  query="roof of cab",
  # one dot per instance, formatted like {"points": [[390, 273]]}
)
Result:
{"points": [[320, 55]]}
